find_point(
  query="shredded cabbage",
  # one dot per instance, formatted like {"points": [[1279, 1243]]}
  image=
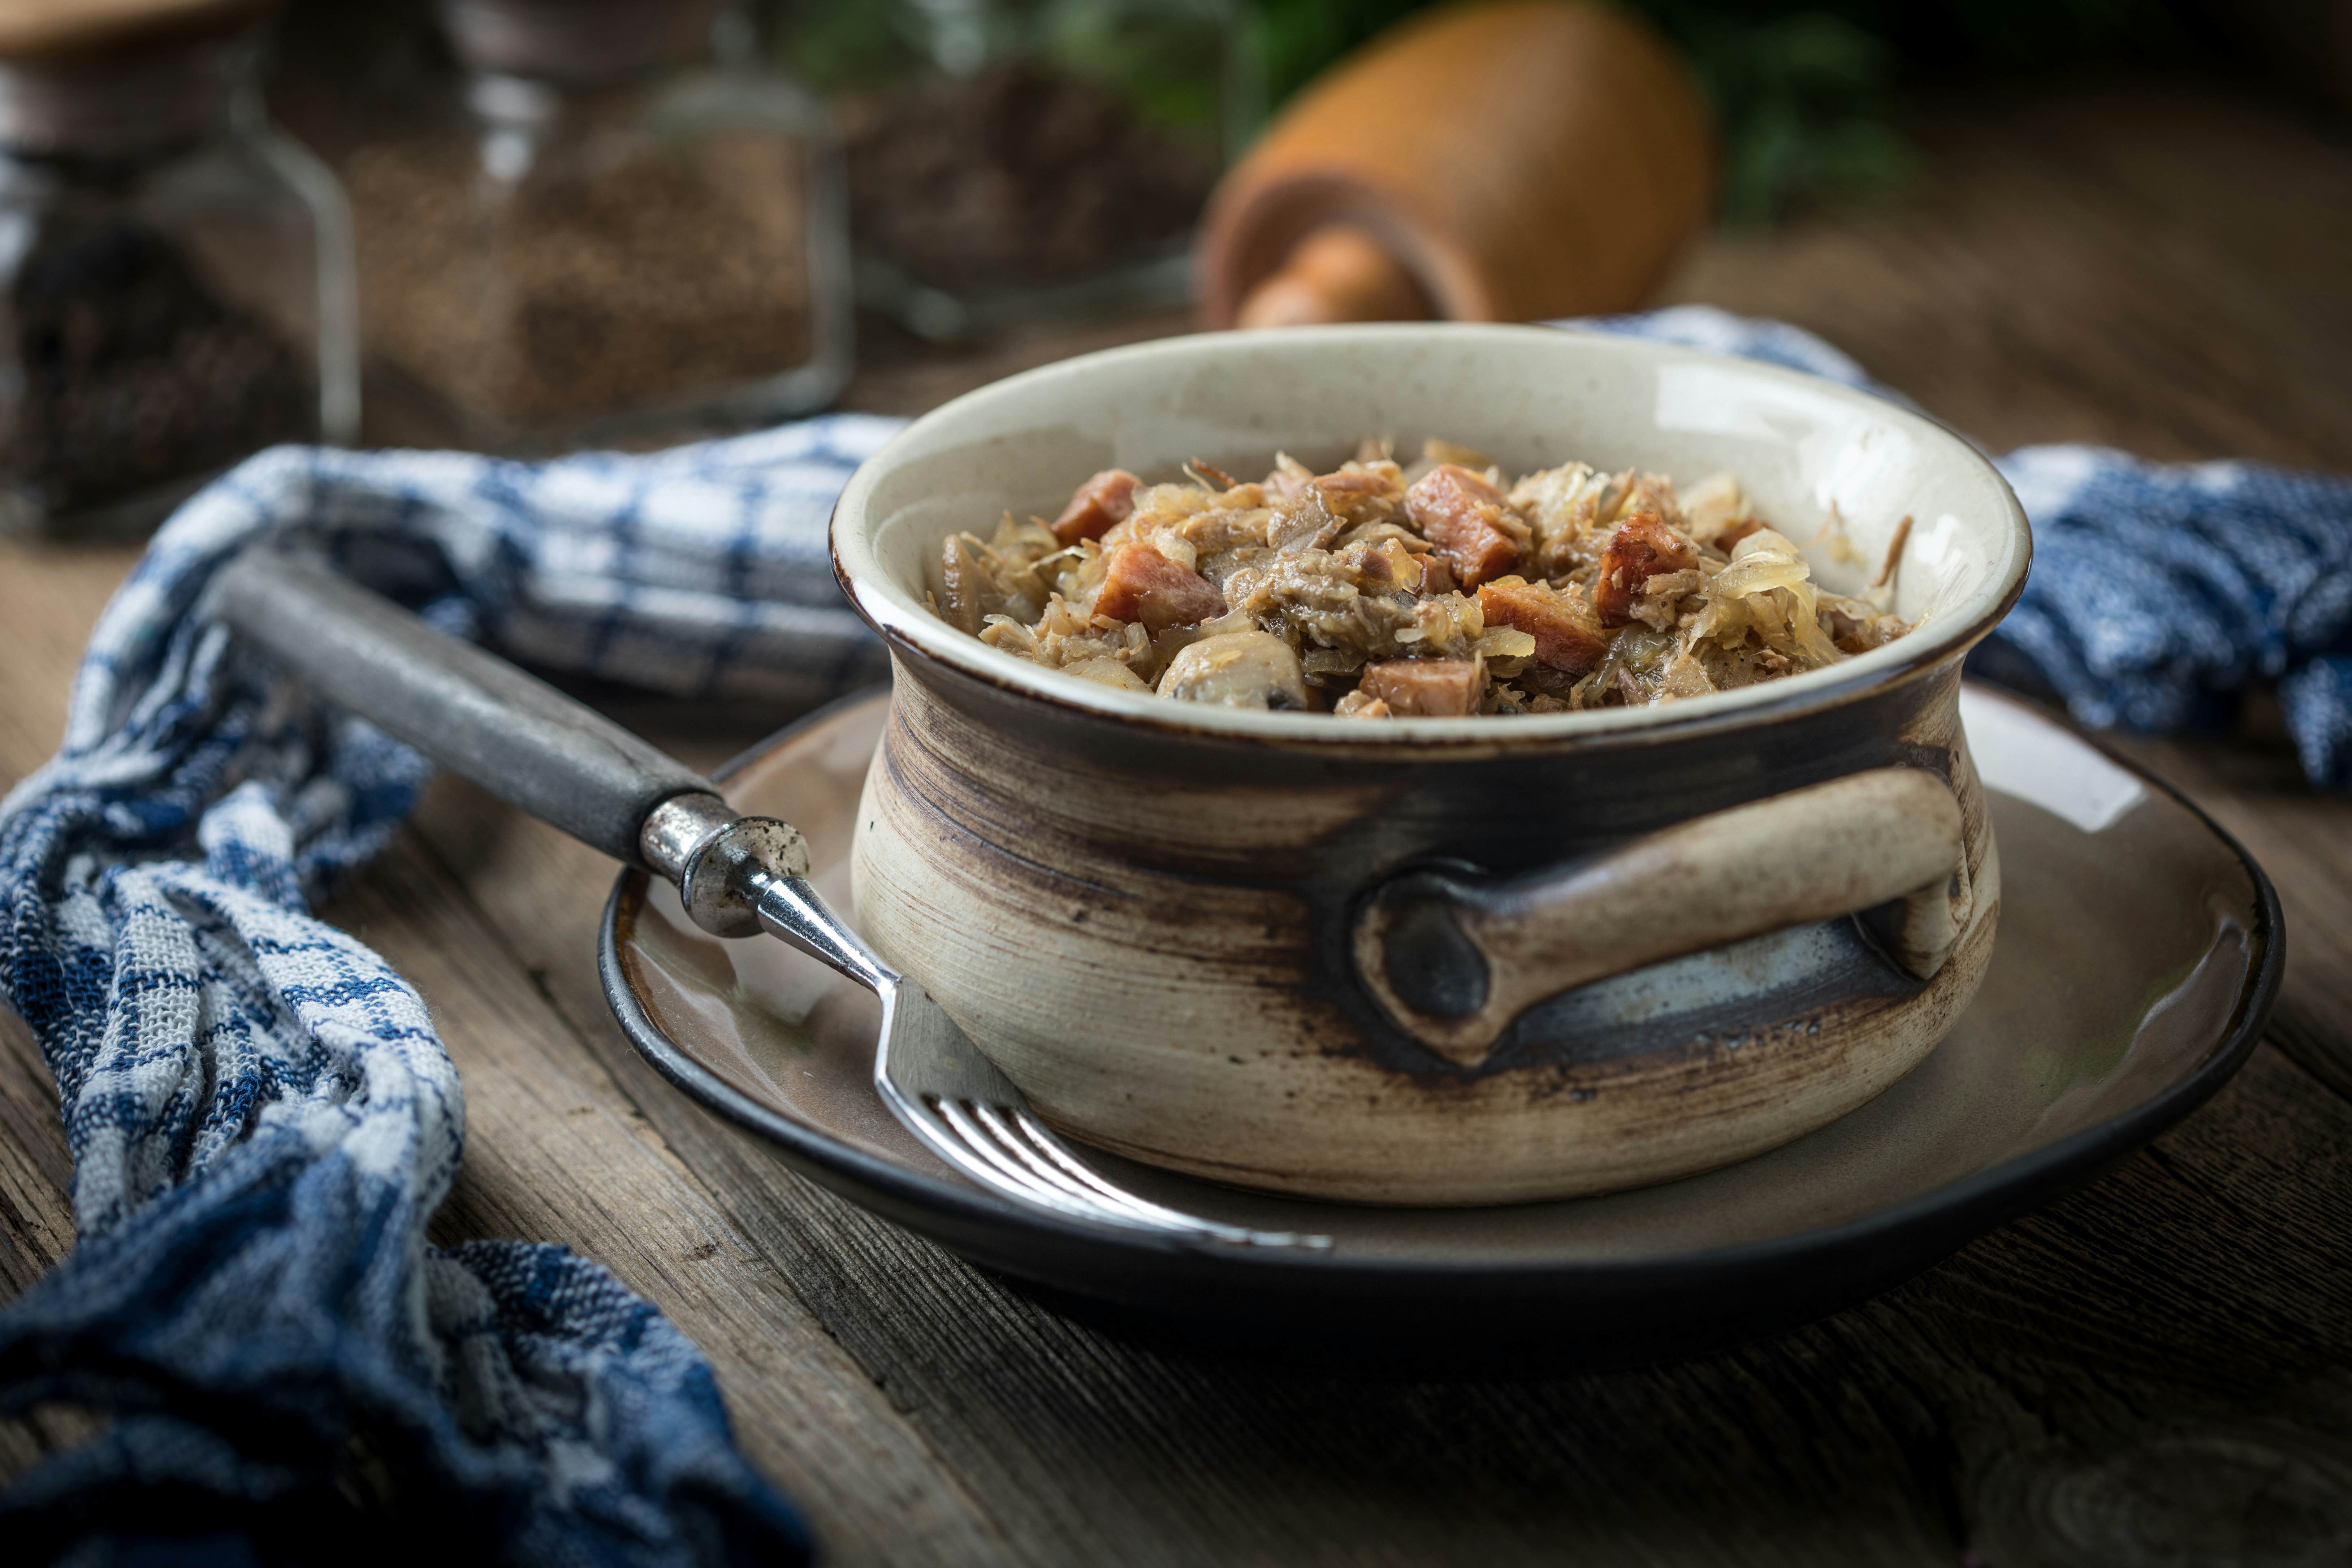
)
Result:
{"points": [[1767, 573]]}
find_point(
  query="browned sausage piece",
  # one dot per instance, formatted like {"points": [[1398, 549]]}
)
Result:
{"points": [[1568, 633], [1144, 585], [1426, 688], [1641, 547], [1463, 515], [1102, 500]]}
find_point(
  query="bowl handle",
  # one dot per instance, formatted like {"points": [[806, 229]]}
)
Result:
{"points": [[1454, 958]]}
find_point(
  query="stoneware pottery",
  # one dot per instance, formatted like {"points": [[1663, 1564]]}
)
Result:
{"points": [[2138, 954], [1425, 961]]}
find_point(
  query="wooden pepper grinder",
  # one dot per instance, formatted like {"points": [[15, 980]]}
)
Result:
{"points": [[1503, 161]]}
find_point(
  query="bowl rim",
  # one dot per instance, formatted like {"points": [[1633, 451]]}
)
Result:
{"points": [[921, 638]]}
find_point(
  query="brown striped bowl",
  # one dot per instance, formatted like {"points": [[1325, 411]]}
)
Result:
{"points": [[1205, 938]]}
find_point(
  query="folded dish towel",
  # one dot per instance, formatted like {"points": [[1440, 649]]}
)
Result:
{"points": [[261, 1117], [263, 1121]]}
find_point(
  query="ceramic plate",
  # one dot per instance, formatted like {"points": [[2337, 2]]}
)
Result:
{"points": [[2137, 955]]}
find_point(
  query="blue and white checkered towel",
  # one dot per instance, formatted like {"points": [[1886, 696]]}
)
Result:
{"points": [[263, 1121], [262, 1118]]}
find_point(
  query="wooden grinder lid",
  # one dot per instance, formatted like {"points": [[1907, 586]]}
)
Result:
{"points": [[1501, 161]]}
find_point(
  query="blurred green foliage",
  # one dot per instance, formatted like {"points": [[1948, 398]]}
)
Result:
{"points": [[1802, 101], [1806, 95]]}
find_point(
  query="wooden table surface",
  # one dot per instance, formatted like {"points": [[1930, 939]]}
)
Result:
{"points": [[2156, 1370]]}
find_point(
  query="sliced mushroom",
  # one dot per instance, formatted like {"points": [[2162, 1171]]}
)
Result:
{"points": [[1238, 670]]}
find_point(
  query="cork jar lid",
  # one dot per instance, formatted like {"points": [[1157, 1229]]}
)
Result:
{"points": [[70, 32]]}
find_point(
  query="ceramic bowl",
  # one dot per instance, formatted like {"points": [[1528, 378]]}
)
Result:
{"points": [[1434, 960]]}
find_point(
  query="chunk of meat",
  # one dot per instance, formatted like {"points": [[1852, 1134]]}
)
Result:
{"points": [[1641, 547], [1464, 516], [1102, 500], [1236, 669], [1426, 688], [1568, 633], [1142, 584]]}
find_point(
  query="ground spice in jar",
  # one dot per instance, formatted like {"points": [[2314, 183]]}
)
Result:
{"points": [[1017, 176], [137, 376], [610, 277]]}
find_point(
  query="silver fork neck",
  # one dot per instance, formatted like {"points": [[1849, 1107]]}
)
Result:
{"points": [[739, 875], [790, 908]]}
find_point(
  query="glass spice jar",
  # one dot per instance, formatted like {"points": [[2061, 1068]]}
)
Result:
{"points": [[177, 275], [1018, 158], [613, 229]]}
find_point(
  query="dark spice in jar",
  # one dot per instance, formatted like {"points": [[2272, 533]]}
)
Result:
{"points": [[1016, 175], [599, 283], [138, 377]]}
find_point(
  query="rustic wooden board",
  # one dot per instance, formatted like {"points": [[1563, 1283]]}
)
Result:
{"points": [[1898, 1428], [554, 1152], [2158, 1369], [2154, 270]]}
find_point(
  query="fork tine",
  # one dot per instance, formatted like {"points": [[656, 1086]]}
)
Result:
{"points": [[999, 1168], [1020, 1125], [1098, 1200], [1005, 1149], [1003, 1155], [1043, 1154], [946, 1092], [1050, 1147], [988, 1126]]}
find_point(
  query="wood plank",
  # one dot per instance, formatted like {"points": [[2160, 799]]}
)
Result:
{"points": [[553, 1153], [49, 595], [2254, 787], [898, 374], [2160, 1359], [1888, 1434], [35, 1168], [2194, 1282], [2160, 271], [2157, 270]]}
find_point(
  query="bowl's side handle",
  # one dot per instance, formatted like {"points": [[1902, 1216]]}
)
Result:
{"points": [[1454, 959]]}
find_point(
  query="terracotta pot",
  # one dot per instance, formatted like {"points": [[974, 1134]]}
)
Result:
{"points": [[1299, 953]]}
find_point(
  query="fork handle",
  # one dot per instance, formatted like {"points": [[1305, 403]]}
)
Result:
{"points": [[472, 713]]}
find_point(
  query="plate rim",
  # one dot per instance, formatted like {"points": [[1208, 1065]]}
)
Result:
{"points": [[1984, 1198]]}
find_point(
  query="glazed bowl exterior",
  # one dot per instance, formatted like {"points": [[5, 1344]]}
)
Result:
{"points": [[1148, 913]]}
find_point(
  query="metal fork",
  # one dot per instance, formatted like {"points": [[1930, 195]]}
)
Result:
{"points": [[738, 876], [947, 1093]]}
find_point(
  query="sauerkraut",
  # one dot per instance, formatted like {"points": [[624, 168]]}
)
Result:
{"points": [[1379, 590]]}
